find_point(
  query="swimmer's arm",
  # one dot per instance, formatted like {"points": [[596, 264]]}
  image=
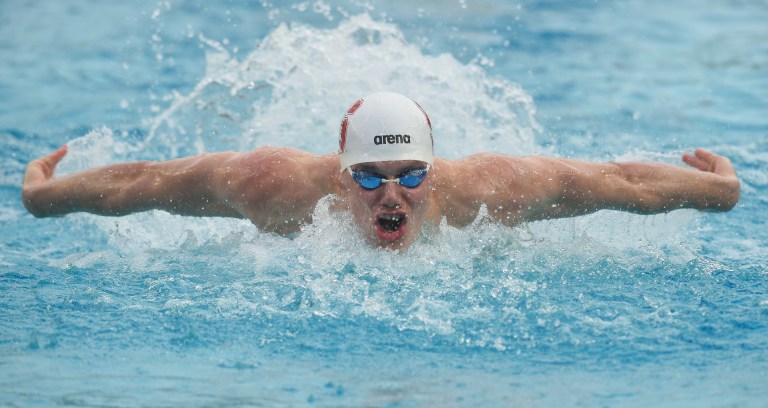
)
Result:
{"points": [[571, 187], [188, 186]]}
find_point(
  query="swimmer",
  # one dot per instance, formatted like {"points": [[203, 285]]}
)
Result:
{"points": [[386, 176]]}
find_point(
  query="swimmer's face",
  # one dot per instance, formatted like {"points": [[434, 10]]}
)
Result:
{"points": [[390, 216]]}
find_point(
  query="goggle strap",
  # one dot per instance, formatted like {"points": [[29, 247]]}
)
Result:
{"points": [[395, 180]]}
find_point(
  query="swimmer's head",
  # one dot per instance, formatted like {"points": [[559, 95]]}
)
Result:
{"points": [[386, 143], [385, 126]]}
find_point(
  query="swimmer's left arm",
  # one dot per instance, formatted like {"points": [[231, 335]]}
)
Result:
{"points": [[571, 187]]}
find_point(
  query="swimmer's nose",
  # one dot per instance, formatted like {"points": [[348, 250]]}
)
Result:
{"points": [[390, 198]]}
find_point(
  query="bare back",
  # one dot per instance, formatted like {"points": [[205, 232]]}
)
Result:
{"points": [[278, 188], [502, 183]]}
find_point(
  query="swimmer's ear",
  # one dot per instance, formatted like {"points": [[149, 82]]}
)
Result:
{"points": [[342, 186]]}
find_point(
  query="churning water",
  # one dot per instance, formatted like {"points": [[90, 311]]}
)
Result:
{"points": [[609, 309]]}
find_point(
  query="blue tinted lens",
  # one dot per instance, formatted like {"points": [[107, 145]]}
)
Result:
{"points": [[369, 180], [413, 178], [366, 179]]}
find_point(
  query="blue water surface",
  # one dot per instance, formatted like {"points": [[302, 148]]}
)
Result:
{"points": [[609, 309]]}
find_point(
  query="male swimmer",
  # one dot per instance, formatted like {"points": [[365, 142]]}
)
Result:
{"points": [[386, 176]]}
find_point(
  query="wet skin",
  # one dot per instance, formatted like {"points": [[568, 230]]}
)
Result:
{"points": [[390, 216], [278, 188]]}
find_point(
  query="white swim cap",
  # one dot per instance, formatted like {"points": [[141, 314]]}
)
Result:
{"points": [[385, 126]]}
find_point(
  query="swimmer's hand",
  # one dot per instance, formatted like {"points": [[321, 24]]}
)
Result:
{"points": [[728, 184], [38, 173], [710, 162]]}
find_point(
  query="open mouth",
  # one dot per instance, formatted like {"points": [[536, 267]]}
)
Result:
{"points": [[391, 227], [390, 222]]}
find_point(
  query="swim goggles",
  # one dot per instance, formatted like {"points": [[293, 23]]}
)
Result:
{"points": [[370, 180]]}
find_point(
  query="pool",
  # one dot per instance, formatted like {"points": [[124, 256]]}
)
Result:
{"points": [[609, 309]]}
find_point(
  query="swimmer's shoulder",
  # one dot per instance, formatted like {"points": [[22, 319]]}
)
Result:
{"points": [[480, 168], [279, 183], [309, 175], [288, 159], [491, 179], [461, 186]]}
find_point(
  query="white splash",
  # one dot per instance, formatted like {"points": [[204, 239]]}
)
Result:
{"points": [[292, 90], [295, 86]]}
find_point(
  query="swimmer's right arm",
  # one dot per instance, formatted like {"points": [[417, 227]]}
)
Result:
{"points": [[274, 188], [188, 186]]}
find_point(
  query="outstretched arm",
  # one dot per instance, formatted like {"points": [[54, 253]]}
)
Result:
{"points": [[275, 188], [520, 189], [189, 186], [570, 187]]}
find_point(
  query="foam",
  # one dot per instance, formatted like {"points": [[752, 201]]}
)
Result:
{"points": [[293, 89]]}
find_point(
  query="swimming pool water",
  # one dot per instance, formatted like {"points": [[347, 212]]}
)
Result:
{"points": [[610, 309]]}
